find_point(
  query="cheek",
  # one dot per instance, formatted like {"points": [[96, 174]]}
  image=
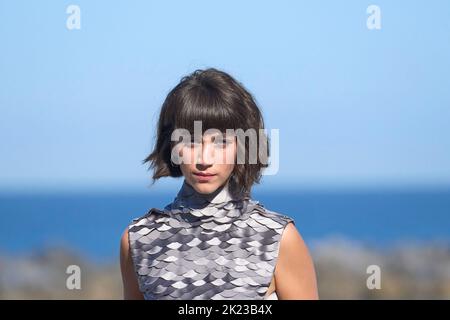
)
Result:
{"points": [[183, 169], [228, 155], [188, 155], [229, 158]]}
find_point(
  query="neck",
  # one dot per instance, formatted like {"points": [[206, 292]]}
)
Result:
{"points": [[220, 195], [214, 204]]}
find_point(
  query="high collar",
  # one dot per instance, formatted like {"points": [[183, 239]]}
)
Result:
{"points": [[215, 204], [220, 195]]}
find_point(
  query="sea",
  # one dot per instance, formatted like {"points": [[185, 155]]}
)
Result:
{"points": [[91, 223]]}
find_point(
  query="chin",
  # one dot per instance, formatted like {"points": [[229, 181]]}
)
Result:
{"points": [[205, 187]]}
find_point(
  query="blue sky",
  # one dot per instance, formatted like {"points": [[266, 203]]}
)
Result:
{"points": [[354, 106]]}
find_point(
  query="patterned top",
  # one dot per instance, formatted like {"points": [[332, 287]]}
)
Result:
{"points": [[206, 246]]}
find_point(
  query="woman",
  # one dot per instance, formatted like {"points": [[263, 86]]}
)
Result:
{"points": [[213, 241]]}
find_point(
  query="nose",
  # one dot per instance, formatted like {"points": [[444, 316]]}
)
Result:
{"points": [[206, 156]]}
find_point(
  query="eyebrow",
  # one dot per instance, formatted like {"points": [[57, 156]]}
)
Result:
{"points": [[223, 136]]}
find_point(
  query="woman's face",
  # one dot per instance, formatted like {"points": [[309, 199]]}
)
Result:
{"points": [[210, 162]]}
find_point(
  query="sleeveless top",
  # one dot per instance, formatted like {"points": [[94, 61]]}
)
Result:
{"points": [[206, 246]]}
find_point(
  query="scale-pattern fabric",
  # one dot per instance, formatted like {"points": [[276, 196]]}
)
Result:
{"points": [[206, 246]]}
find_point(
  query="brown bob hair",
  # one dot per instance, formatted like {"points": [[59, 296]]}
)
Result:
{"points": [[220, 102]]}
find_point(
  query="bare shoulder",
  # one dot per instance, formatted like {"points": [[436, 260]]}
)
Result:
{"points": [[291, 237], [124, 243], [126, 262], [129, 278], [295, 276]]}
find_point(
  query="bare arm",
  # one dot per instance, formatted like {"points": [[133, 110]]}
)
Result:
{"points": [[295, 277], [130, 285]]}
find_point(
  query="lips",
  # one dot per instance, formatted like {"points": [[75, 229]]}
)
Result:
{"points": [[202, 177], [201, 174]]}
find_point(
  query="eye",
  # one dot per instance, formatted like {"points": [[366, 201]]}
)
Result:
{"points": [[222, 142], [194, 143]]}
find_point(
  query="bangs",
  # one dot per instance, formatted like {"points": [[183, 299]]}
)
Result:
{"points": [[214, 111]]}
